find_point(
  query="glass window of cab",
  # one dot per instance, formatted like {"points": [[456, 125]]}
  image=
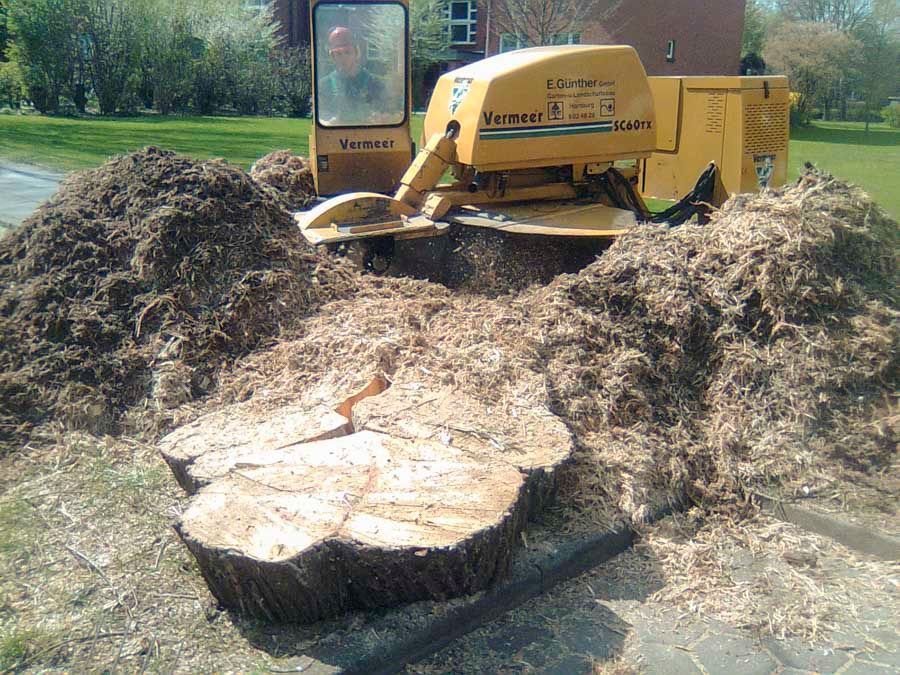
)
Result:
{"points": [[360, 56]]}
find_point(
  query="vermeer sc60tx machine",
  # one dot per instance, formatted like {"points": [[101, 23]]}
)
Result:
{"points": [[553, 141]]}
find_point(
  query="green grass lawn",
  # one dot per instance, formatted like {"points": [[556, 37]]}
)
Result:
{"points": [[872, 160], [64, 143]]}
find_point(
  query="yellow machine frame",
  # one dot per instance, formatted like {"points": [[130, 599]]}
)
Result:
{"points": [[363, 157], [563, 141], [740, 123]]}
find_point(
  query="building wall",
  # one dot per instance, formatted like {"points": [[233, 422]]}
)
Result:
{"points": [[707, 33]]}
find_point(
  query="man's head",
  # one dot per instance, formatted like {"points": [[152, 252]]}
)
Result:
{"points": [[344, 51]]}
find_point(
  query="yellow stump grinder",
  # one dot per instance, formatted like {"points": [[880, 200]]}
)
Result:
{"points": [[549, 141]]}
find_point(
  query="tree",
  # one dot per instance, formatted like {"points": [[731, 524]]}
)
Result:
{"points": [[755, 23], [4, 30], [880, 55], [844, 15], [757, 18], [45, 45], [170, 52], [545, 22], [114, 47], [235, 66], [428, 41], [813, 55]]}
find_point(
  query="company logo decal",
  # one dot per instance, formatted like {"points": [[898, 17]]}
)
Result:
{"points": [[537, 132], [458, 93]]}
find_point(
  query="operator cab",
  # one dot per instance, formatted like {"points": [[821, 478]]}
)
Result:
{"points": [[361, 95]]}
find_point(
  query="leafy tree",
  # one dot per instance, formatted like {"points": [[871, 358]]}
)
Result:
{"points": [[170, 53], [46, 47], [879, 63], [755, 24], [428, 41], [12, 88], [235, 67], [114, 46], [293, 79], [4, 30], [813, 55]]}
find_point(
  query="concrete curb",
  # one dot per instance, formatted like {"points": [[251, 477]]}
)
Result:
{"points": [[533, 573], [856, 537]]}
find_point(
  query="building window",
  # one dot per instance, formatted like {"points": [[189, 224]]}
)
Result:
{"points": [[670, 51], [462, 19], [567, 39], [511, 41]]}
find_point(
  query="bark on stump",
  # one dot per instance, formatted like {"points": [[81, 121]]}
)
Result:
{"points": [[408, 507]]}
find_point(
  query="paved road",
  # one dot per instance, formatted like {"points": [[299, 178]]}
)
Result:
{"points": [[22, 189], [638, 614]]}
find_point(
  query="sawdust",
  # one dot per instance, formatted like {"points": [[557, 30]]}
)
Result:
{"points": [[690, 364], [289, 175], [136, 280], [763, 575]]}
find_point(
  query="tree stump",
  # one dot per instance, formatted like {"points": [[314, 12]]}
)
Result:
{"points": [[425, 500]]}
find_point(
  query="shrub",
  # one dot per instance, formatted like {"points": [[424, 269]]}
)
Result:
{"points": [[12, 86], [293, 81], [891, 115]]}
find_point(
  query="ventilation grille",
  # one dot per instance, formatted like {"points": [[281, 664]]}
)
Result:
{"points": [[765, 127], [715, 112]]}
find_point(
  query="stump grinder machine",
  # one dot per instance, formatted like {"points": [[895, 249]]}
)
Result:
{"points": [[561, 142]]}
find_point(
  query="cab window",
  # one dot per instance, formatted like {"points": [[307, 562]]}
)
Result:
{"points": [[360, 55]]}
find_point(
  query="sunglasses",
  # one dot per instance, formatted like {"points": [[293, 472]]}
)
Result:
{"points": [[341, 51]]}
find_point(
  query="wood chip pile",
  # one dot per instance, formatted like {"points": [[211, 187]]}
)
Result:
{"points": [[136, 280], [690, 364], [695, 362]]}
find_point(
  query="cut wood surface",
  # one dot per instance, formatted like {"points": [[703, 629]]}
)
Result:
{"points": [[426, 500], [210, 446]]}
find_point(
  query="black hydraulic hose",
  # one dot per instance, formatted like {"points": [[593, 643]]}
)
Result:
{"points": [[623, 195]]}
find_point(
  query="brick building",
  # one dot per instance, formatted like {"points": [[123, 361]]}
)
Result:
{"points": [[683, 37]]}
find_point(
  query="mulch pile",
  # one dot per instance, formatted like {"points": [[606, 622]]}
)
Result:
{"points": [[698, 363], [691, 363], [289, 175], [704, 361], [136, 280]]}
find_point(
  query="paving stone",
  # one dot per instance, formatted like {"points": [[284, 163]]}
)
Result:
{"points": [[860, 667], [571, 665], [797, 654], [848, 642], [717, 627], [729, 655], [589, 637], [667, 659], [887, 657], [669, 631], [513, 638], [884, 637]]}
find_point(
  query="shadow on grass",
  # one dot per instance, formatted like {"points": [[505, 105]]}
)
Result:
{"points": [[876, 136]]}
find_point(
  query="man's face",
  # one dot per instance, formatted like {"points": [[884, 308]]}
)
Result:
{"points": [[346, 59]]}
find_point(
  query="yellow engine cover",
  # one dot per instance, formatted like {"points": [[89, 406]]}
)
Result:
{"points": [[547, 106]]}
